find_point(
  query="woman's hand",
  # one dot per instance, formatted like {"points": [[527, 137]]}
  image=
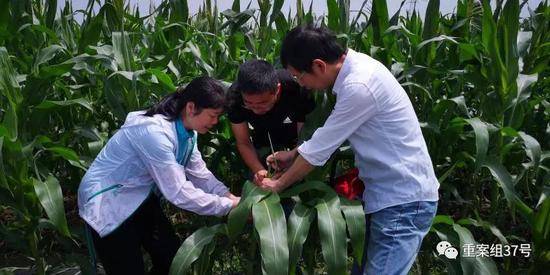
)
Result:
{"points": [[233, 198]]}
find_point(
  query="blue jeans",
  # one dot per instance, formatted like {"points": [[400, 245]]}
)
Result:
{"points": [[393, 237]]}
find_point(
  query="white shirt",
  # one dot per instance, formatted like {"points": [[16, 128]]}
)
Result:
{"points": [[140, 156], [373, 112]]}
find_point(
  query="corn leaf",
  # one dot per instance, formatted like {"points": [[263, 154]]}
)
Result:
{"points": [[192, 248], [482, 139], [270, 223], [505, 181], [50, 104], [473, 265], [237, 218], [332, 230], [299, 223], [356, 224], [51, 198]]}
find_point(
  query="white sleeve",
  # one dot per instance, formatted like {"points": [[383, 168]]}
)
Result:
{"points": [[197, 172], [355, 104], [157, 153]]}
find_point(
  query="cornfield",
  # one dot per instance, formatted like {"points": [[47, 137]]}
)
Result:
{"points": [[478, 79]]}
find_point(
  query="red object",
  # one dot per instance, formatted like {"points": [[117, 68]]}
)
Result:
{"points": [[349, 185]]}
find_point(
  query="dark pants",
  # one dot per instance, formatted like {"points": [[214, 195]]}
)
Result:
{"points": [[120, 251]]}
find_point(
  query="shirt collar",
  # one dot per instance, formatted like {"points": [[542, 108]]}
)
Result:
{"points": [[346, 66]]}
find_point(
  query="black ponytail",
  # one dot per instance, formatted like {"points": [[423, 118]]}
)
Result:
{"points": [[204, 91]]}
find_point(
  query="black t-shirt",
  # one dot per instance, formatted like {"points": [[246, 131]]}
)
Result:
{"points": [[293, 105]]}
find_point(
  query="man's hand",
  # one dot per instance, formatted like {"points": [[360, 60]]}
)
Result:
{"points": [[281, 160], [259, 176], [273, 185]]}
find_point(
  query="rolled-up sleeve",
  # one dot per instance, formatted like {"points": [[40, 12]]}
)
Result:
{"points": [[355, 104], [203, 178], [157, 153]]}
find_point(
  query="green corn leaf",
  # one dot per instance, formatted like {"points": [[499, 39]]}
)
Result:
{"points": [[3, 180], [333, 15], [91, 31], [487, 225], [482, 139], [55, 70], [276, 11], [236, 6], [46, 54], [468, 52], [9, 87], [447, 173], [205, 261], [281, 24], [114, 98], [122, 50], [524, 84], [543, 196], [192, 248], [532, 148], [473, 265], [51, 10], [308, 17], [332, 230], [505, 181], [306, 186], [270, 223], [508, 27], [541, 226], [4, 19], [356, 224], [10, 122], [238, 216], [431, 21], [299, 223], [51, 198], [395, 18], [444, 219], [460, 101], [51, 104], [195, 51], [164, 79], [343, 5], [490, 41], [437, 39], [8, 80], [69, 155], [180, 11], [379, 20], [113, 13]]}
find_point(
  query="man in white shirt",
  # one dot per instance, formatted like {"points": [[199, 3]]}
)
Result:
{"points": [[374, 114]]}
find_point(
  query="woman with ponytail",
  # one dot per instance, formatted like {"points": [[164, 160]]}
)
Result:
{"points": [[153, 155]]}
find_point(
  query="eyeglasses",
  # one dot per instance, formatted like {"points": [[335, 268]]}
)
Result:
{"points": [[266, 103], [298, 78]]}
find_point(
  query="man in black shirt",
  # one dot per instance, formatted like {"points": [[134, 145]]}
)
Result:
{"points": [[274, 104]]}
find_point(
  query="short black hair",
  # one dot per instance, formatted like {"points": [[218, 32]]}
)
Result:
{"points": [[204, 91], [303, 44], [255, 77]]}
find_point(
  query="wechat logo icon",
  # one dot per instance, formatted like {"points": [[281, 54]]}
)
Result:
{"points": [[445, 248]]}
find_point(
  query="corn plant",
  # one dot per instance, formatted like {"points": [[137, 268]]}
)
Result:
{"points": [[281, 241], [477, 78]]}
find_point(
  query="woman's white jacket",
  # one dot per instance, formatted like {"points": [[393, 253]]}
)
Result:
{"points": [[139, 159]]}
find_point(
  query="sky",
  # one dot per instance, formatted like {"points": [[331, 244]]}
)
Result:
{"points": [[319, 6]]}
